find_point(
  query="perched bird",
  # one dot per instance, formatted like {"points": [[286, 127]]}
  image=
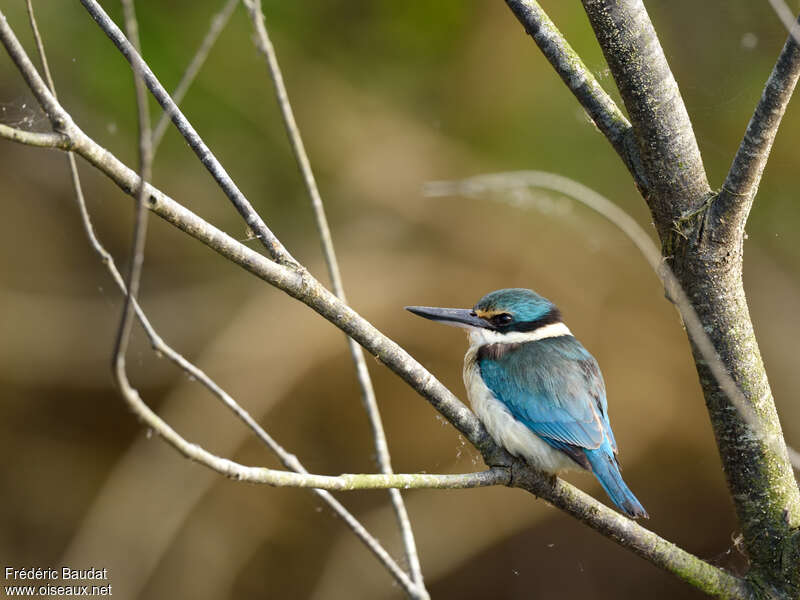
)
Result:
{"points": [[536, 389]]}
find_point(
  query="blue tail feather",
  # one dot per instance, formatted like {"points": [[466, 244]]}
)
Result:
{"points": [[605, 467]]}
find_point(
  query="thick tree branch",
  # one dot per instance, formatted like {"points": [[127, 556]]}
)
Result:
{"points": [[732, 206], [264, 45], [668, 149], [603, 111], [709, 269], [299, 284]]}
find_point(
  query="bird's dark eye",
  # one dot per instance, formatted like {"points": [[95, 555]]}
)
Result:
{"points": [[501, 319]]}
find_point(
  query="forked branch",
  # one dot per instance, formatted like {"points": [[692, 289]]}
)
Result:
{"points": [[600, 107]]}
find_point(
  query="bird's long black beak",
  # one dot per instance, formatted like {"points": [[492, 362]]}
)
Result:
{"points": [[457, 317]]}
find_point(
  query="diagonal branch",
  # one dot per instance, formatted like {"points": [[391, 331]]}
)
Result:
{"points": [[203, 152], [265, 46], [786, 16], [735, 199], [704, 576], [600, 107]]}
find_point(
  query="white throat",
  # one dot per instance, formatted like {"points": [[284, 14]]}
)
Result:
{"points": [[479, 336]]}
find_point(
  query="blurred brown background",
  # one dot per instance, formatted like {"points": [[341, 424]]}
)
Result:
{"points": [[389, 95]]}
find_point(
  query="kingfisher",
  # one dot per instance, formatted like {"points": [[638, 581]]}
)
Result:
{"points": [[537, 390]]}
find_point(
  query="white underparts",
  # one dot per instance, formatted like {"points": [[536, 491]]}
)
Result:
{"points": [[507, 431]]}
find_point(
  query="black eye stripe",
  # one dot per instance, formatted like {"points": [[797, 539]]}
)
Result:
{"points": [[501, 319]]}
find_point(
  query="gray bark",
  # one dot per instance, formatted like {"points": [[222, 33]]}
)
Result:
{"points": [[702, 240]]}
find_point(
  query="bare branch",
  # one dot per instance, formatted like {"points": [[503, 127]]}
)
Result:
{"points": [[48, 102], [668, 149], [218, 23], [265, 46], [40, 47], [732, 206], [600, 107], [203, 152], [55, 141], [139, 228], [787, 18]]}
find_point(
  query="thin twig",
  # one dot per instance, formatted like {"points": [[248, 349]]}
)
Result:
{"points": [[300, 285], [264, 44], [600, 107], [520, 180], [218, 23], [736, 197], [787, 18], [32, 138], [140, 224], [40, 48], [203, 152]]}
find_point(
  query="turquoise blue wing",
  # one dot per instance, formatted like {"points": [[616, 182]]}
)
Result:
{"points": [[555, 388]]}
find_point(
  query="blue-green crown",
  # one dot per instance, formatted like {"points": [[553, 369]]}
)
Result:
{"points": [[527, 309]]}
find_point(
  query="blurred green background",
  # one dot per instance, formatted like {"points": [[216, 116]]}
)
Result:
{"points": [[389, 95]]}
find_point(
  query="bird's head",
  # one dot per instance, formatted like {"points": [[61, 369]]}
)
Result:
{"points": [[502, 311]]}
